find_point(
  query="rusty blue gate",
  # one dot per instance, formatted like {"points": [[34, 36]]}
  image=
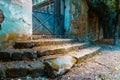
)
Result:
{"points": [[46, 18]]}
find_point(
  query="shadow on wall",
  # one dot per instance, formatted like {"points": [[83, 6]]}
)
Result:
{"points": [[95, 28]]}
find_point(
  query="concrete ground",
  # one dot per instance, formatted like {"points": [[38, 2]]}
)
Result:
{"points": [[104, 66]]}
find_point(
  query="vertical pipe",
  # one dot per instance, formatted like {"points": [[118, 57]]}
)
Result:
{"points": [[116, 35], [54, 16], [57, 17]]}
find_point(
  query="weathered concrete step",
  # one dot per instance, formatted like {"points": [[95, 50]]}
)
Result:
{"points": [[19, 69], [85, 52], [53, 65], [17, 54], [34, 37], [78, 54], [34, 53], [41, 42], [60, 64], [59, 49]]}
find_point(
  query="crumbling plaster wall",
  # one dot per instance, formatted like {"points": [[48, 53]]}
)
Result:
{"points": [[18, 19], [84, 23]]}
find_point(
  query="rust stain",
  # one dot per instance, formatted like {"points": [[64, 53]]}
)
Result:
{"points": [[12, 36]]}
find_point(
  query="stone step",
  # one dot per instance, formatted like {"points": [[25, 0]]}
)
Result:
{"points": [[8, 55], [52, 66], [57, 65], [18, 69], [32, 54], [34, 37], [59, 49], [41, 42], [84, 52], [78, 54]]}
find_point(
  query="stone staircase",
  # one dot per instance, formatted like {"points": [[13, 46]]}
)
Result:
{"points": [[43, 56]]}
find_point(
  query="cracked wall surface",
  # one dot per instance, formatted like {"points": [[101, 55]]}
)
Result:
{"points": [[84, 23], [106, 10], [18, 19]]}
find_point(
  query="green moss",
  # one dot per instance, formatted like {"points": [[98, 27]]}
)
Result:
{"points": [[102, 5]]}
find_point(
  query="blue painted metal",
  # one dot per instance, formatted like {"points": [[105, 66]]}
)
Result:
{"points": [[47, 18], [42, 23]]}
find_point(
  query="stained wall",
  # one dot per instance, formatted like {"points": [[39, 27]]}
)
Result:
{"points": [[18, 19], [84, 23]]}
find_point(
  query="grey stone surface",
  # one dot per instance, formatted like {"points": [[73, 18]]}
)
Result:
{"points": [[105, 66]]}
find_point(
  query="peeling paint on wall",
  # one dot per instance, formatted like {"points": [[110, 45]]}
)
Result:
{"points": [[18, 18]]}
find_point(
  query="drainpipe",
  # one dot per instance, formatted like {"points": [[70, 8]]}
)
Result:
{"points": [[56, 15], [116, 34]]}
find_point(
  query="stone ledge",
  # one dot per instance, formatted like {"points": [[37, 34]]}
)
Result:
{"points": [[41, 42], [21, 69], [52, 66], [56, 66], [17, 55], [60, 49], [35, 53]]}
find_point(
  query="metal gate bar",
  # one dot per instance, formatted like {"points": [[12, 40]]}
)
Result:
{"points": [[42, 23]]}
